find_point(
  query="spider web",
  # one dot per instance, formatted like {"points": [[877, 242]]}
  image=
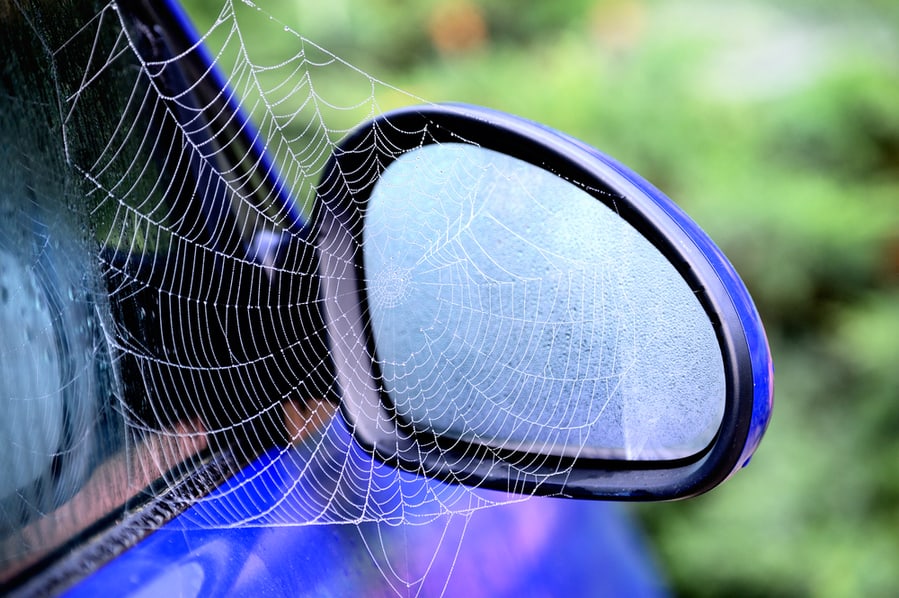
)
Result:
{"points": [[173, 240]]}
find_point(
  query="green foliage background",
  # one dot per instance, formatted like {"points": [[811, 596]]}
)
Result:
{"points": [[776, 126]]}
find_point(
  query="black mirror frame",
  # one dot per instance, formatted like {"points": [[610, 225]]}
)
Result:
{"points": [[350, 176]]}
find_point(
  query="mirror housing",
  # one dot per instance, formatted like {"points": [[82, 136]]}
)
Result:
{"points": [[352, 177]]}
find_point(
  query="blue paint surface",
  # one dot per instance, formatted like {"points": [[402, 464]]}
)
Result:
{"points": [[537, 546]]}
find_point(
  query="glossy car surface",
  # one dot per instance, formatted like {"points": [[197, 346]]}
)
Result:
{"points": [[169, 473], [538, 546]]}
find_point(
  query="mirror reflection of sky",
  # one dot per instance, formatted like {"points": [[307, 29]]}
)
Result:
{"points": [[512, 307]]}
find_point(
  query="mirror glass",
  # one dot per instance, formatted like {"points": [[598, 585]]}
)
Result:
{"points": [[511, 307]]}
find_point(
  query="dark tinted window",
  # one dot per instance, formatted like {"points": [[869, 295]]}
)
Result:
{"points": [[125, 278]]}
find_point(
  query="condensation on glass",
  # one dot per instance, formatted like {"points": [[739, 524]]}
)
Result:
{"points": [[78, 442], [512, 308]]}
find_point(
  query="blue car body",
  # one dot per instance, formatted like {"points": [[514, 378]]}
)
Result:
{"points": [[531, 547], [277, 521]]}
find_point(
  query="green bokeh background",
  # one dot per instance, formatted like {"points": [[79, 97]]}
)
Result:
{"points": [[776, 127]]}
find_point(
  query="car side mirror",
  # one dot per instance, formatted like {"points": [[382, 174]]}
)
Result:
{"points": [[507, 307]]}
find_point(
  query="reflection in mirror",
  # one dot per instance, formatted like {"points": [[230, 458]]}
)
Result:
{"points": [[511, 307]]}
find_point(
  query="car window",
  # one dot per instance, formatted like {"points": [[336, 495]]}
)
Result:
{"points": [[156, 335], [80, 443]]}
